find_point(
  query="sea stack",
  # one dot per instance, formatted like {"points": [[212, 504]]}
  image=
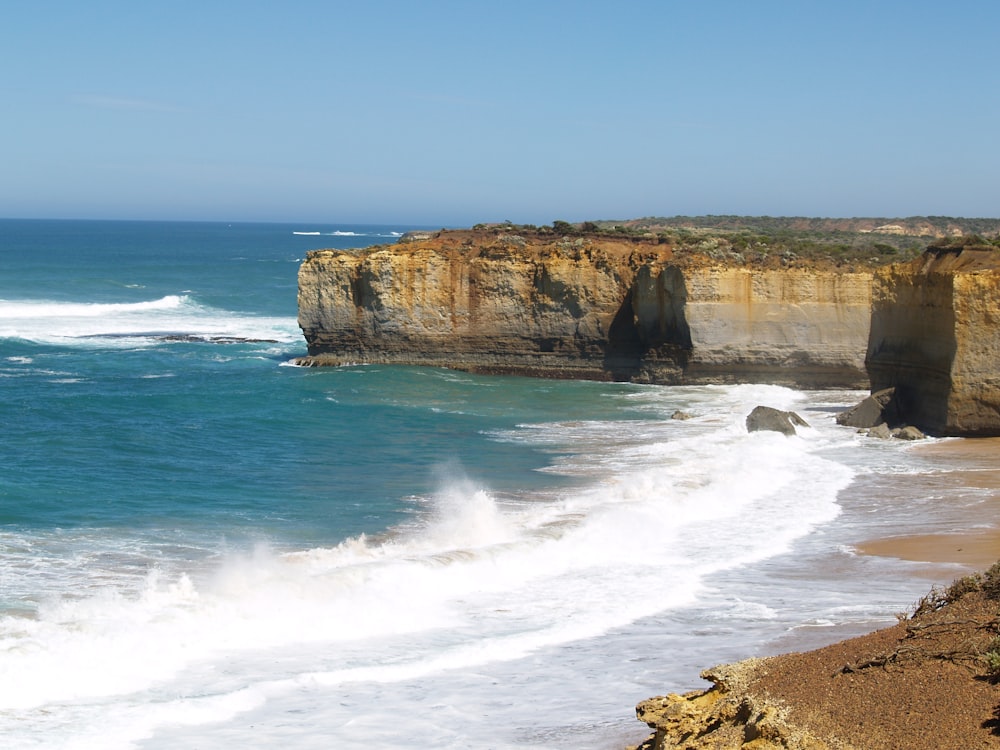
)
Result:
{"points": [[935, 338]]}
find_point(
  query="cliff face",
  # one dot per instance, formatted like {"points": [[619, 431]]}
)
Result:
{"points": [[935, 337], [498, 303], [784, 326]]}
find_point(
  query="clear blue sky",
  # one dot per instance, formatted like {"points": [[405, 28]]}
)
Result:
{"points": [[451, 113]]}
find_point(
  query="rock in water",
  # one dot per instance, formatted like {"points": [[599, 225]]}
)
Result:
{"points": [[876, 409], [880, 431], [908, 433], [768, 418]]}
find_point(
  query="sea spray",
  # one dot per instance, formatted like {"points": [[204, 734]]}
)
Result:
{"points": [[202, 547], [127, 324]]}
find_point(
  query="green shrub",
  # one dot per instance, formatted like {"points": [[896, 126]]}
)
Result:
{"points": [[963, 586], [991, 658], [991, 581]]}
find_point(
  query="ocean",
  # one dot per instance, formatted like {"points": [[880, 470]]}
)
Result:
{"points": [[203, 545]]}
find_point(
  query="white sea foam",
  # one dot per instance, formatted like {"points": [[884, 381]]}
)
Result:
{"points": [[46, 321], [347, 233], [475, 582], [335, 233]]}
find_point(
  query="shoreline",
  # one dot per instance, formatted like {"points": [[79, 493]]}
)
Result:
{"points": [[976, 546], [977, 549], [921, 682]]}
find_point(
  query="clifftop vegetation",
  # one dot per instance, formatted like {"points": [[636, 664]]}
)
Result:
{"points": [[913, 226], [766, 240]]}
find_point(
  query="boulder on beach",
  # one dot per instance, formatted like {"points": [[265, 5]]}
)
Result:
{"points": [[908, 433], [880, 431], [877, 408]]}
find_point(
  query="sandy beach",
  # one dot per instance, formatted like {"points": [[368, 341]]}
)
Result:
{"points": [[975, 549], [924, 682], [978, 544]]}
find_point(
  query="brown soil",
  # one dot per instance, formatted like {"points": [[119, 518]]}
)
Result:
{"points": [[921, 684], [930, 681]]}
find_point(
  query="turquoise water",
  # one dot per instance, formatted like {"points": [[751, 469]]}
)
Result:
{"points": [[202, 545], [113, 425]]}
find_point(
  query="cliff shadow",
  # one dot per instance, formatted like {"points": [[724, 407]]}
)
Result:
{"points": [[912, 346], [649, 334], [624, 350]]}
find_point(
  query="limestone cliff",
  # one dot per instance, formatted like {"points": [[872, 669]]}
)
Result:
{"points": [[935, 337], [497, 302]]}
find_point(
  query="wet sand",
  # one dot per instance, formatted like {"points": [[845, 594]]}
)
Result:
{"points": [[975, 549], [977, 546]]}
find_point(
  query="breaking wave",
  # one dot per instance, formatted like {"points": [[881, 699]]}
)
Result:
{"points": [[172, 317]]}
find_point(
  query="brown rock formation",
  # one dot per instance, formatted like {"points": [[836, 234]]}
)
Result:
{"points": [[928, 682], [599, 308], [935, 338]]}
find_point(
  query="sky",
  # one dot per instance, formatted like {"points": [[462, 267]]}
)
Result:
{"points": [[437, 113]]}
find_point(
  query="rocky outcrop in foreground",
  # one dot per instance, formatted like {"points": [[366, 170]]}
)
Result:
{"points": [[928, 682], [493, 301], [935, 339]]}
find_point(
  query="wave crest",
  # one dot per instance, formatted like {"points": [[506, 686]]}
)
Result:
{"points": [[174, 316]]}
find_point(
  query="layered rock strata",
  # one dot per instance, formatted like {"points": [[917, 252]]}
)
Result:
{"points": [[494, 302], [935, 338]]}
